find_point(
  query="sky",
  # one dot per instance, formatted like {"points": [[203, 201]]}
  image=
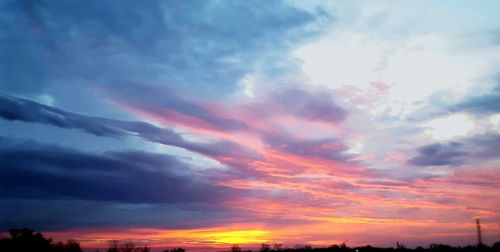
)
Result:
{"points": [[201, 124]]}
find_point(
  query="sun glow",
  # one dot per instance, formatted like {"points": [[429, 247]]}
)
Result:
{"points": [[239, 237]]}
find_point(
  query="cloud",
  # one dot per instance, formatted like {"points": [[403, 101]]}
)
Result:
{"points": [[46, 43], [19, 109], [327, 148], [439, 155], [471, 149], [51, 172], [107, 83], [167, 103], [488, 145], [64, 214], [308, 105], [487, 103]]}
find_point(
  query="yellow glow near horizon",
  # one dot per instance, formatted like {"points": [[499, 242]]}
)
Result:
{"points": [[238, 237], [218, 236]]}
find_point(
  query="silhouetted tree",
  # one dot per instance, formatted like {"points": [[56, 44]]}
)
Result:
{"points": [[278, 246], [343, 247], [115, 246], [496, 246], [264, 247], [25, 240], [177, 250], [69, 246], [235, 248], [333, 247], [303, 247], [439, 247]]}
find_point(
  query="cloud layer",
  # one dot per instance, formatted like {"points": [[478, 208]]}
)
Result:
{"points": [[201, 124]]}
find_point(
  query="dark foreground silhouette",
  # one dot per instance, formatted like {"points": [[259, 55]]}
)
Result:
{"points": [[26, 240]]}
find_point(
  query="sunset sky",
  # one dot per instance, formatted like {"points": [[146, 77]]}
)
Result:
{"points": [[202, 124]]}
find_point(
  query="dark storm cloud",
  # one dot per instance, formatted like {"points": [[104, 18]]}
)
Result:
{"points": [[439, 155], [36, 171], [207, 45], [12, 108]]}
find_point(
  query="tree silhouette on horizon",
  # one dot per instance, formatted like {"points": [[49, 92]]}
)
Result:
{"points": [[27, 240]]}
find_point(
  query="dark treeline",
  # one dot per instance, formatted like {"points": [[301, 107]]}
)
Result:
{"points": [[26, 240], [400, 248]]}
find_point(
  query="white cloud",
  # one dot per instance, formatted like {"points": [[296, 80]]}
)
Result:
{"points": [[45, 99], [414, 54], [355, 148], [448, 127], [495, 122], [248, 85]]}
